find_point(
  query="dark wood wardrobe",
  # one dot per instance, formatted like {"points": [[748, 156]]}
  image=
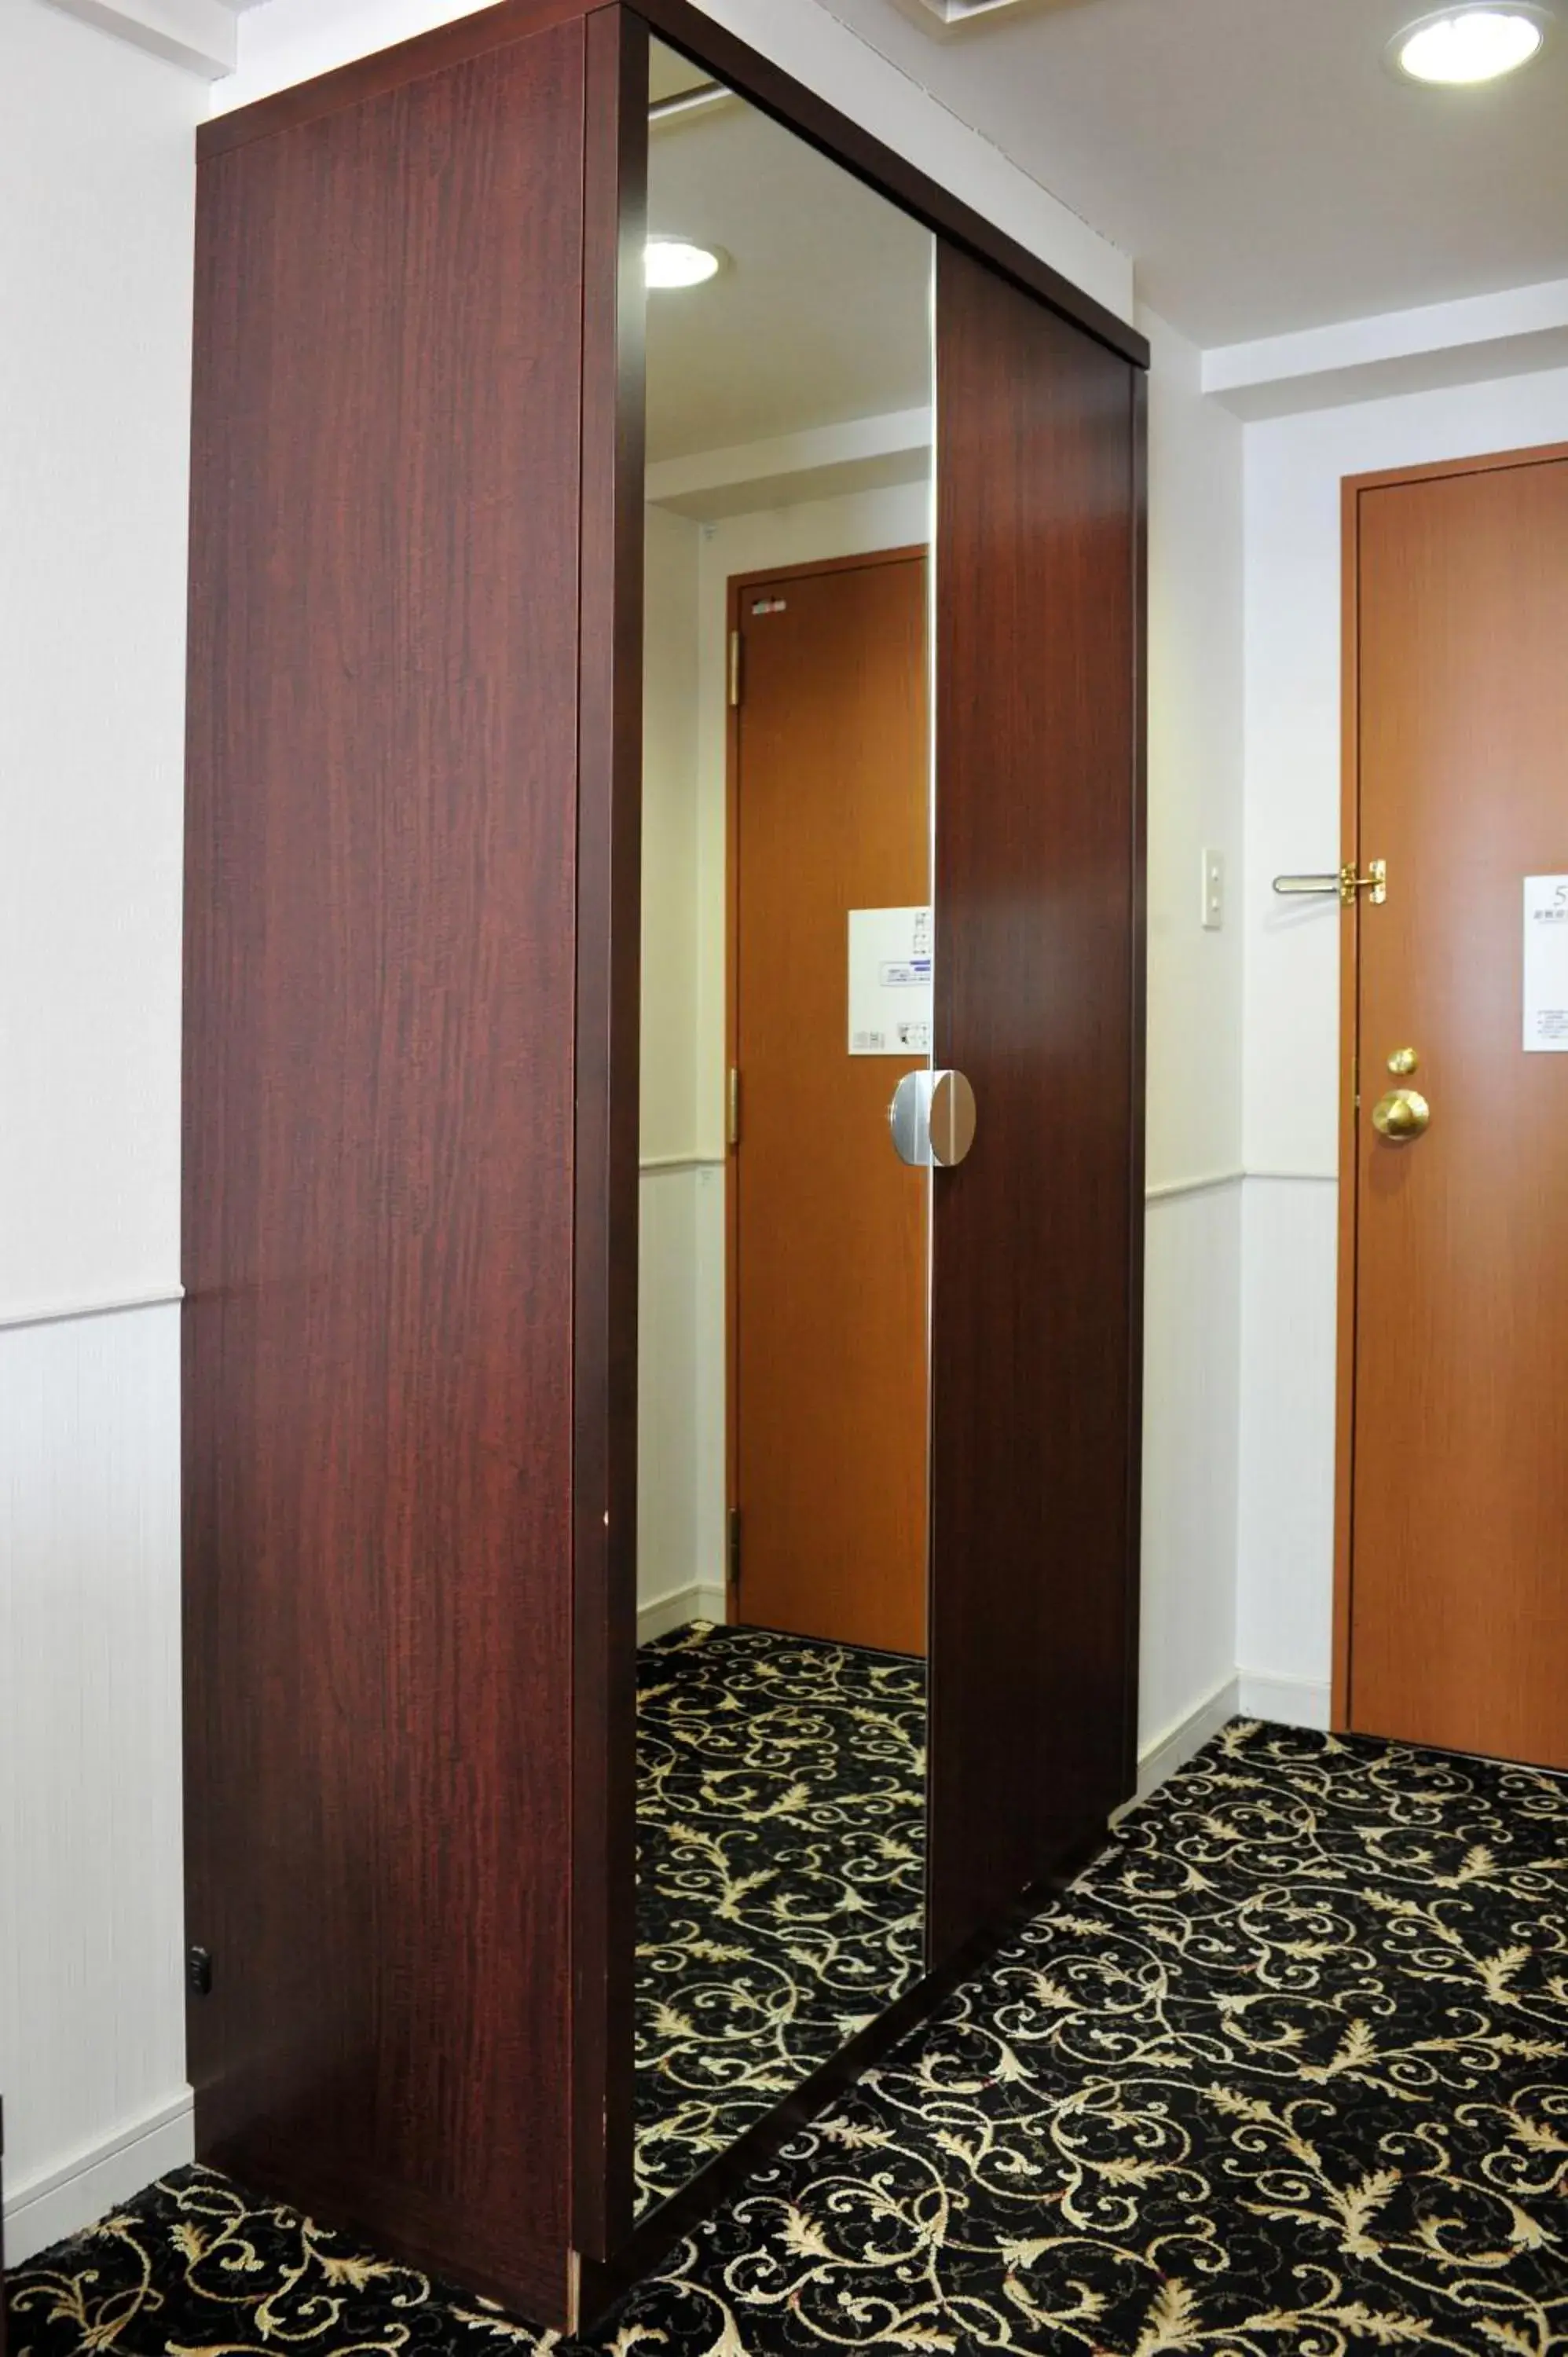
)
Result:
{"points": [[411, 1074]]}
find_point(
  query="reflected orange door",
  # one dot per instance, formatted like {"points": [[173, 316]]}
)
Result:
{"points": [[1457, 1621], [828, 1248]]}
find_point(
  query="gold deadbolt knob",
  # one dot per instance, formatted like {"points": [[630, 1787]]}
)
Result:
{"points": [[1403, 1062], [1402, 1115]]}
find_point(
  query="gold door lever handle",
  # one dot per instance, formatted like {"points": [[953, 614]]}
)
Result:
{"points": [[1340, 883], [1402, 1114]]}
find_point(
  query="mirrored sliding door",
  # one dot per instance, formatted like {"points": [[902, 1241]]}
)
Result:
{"points": [[788, 946]]}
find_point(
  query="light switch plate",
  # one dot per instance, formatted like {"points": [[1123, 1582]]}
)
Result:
{"points": [[1213, 891]]}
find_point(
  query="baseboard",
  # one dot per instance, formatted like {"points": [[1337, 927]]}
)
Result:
{"points": [[1164, 1753], [662, 1613], [45, 2209], [1296, 1702]]}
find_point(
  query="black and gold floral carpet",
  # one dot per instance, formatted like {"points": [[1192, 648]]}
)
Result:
{"points": [[780, 1866], [1286, 2069]]}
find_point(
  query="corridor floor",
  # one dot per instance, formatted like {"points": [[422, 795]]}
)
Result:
{"points": [[1287, 2068]]}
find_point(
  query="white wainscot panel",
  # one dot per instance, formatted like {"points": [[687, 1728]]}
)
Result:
{"points": [[1191, 1342], [1285, 1524], [92, 1999], [680, 1398]]}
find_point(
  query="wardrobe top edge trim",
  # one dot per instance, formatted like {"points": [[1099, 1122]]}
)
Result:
{"points": [[731, 60]]}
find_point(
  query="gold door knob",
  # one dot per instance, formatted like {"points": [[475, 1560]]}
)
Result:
{"points": [[1402, 1114]]}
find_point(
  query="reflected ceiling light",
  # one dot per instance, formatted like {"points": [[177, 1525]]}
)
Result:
{"points": [[676, 262], [1469, 44]]}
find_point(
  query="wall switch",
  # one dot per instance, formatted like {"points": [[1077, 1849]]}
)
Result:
{"points": [[1213, 891]]}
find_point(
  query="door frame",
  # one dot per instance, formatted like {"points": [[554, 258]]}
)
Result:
{"points": [[736, 588], [1352, 487]]}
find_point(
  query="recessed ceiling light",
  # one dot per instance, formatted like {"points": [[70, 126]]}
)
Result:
{"points": [[960, 12], [676, 262], [1469, 44]]}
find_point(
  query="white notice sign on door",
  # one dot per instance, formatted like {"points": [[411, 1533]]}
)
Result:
{"points": [[1546, 965], [889, 982]]}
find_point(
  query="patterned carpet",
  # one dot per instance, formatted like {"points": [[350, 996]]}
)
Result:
{"points": [[1286, 2069], [781, 1818]]}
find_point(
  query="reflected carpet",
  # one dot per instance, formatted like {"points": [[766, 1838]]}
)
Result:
{"points": [[780, 1868]]}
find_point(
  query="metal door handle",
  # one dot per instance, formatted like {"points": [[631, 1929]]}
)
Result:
{"points": [[1402, 1115], [932, 1119]]}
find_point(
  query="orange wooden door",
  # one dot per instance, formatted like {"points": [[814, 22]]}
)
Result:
{"points": [[829, 1244], [1458, 1596]]}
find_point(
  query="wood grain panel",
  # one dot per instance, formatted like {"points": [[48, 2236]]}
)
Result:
{"points": [[378, 1182], [609, 1026], [381, 72], [1038, 835], [828, 1294], [1457, 1634]]}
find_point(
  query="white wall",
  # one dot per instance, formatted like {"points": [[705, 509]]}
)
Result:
{"points": [[96, 181], [1294, 467], [1194, 1233], [670, 1571], [670, 704]]}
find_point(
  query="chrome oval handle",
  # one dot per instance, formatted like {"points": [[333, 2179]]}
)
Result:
{"points": [[952, 1119], [932, 1119]]}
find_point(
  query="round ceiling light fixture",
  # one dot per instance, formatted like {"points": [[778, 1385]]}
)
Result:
{"points": [[676, 262], [1471, 44]]}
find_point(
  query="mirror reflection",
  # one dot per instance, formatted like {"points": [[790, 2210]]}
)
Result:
{"points": [[787, 961]]}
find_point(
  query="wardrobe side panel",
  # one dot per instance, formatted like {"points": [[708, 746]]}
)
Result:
{"points": [[609, 988], [379, 1184], [1035, 1440]]}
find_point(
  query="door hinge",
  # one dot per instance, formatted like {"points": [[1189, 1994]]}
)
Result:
{"points": [[198, 1971], [732, 1118], [735, 667], [734, 1549]]}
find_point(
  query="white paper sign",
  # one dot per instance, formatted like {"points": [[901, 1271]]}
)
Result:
{"points": [[1546, 965], [889, 982]]}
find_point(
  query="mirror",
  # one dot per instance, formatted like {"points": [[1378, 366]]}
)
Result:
{"points": [[787, 981]]}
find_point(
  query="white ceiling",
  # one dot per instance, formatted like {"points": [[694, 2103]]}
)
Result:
{"points": [[825, 312], [1261, 165]]}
